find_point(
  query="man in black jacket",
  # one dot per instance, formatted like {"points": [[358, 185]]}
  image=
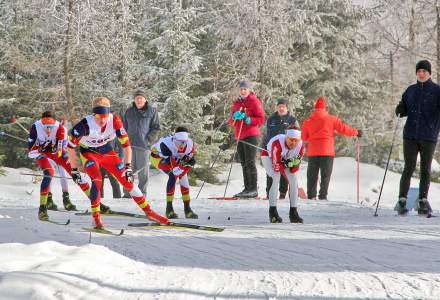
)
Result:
{"points": [[141, 121], [277, 123], [421, 104]]}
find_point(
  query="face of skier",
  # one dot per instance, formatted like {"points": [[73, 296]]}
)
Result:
{"points": [[48, 128], [282, 109], [140, 101], [101, 119], [422, 75], [291, 142], [244, 92], [180, 145]]}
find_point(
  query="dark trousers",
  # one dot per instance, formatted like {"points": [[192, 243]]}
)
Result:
{"points": [[315, 165], [283, 185], [113, 182], [411, 148], [247, 155]]}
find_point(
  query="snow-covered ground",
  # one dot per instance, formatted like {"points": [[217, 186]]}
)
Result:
{"points": [[341, 252]]}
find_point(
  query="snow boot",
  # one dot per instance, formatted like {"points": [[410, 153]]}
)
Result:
{"points": [[154, 216], [97, 219], [293, 216], [273, 215], [401, 206], [50, 205], [66, 202], [422, 206], [169, 212], [42, 213], [189, 214], [104, 208]]}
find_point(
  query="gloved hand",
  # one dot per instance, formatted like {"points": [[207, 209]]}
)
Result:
{"points": [[276, 167], [128, 173], [294, 162], [76, 176], [177, 171], [238, 115], [359, 133], [247, 120], [34, 153], [47, 147], [224, 146], [188, 162]]}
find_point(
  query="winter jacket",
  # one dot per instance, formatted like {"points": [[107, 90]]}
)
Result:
{"points": [[319, 131], [421, 104], [142, 125], [253, 109], [278, 151], [277, 124]]}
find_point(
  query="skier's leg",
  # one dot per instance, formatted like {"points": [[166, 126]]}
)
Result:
{"points": [[184, 189], [312, 176], [273, 192], [326, 173], [410, 152], [293, 195], [426, 154], [48, 172]]}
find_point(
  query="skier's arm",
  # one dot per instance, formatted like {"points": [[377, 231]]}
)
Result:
{"points": [[257, 115], [75, 135], [343, 128], [33, 149], [401, 108]]}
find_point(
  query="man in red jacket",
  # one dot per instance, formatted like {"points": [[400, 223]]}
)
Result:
{"points": [[247, 115], [318, 131]]}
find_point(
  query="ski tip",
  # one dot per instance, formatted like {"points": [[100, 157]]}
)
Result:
{"points": [[121, 232], [68, 222]]}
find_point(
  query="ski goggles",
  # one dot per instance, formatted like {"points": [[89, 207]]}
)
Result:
{"points": [[179, 143], [48, 126]]}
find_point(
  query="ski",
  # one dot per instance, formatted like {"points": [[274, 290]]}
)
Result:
{"points": [[236, 198], [103, 231], [114, 214], [57, 222], [178, 225]]}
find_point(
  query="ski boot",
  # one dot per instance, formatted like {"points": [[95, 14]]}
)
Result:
{"points": [[273, 215], [239, 195], [42, 213], [294, 217], [50, 205], [66, 202], [401, 206], [154, 216], [169, 212], [422, 206], [249, 194], [98, 221], [104, 209], [189, 214]]}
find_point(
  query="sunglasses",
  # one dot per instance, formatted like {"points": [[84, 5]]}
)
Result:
{"points": [[48, 126], [101, 116], [180, 143]]}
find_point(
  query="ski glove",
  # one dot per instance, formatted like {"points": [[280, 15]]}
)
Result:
{"points": [[177, 171], [128, 173], [238, 115], [47, 147], [294, 162], [34, 154], [247, 120], [76, 176], [188, 162]]}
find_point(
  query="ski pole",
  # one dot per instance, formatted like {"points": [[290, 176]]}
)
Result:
{"points": [[233, 157], [249, 144], [14, 121], [212, 165], [388, 162], [358, 169], [2, 133]]}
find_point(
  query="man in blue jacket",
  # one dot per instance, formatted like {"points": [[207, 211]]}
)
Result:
{"points": [[277, 123], [421, 104]]}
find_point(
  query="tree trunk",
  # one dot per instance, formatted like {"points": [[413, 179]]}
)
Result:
{"points": [[412, 35], [67, 68]]}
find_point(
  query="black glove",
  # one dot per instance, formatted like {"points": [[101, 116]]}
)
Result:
{"points": [[401, 110], [76, 176], [359, 133], [188, 163], [47, 147], [128, 173]]}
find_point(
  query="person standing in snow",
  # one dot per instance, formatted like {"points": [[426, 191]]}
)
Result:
{"points": [[421, 105], [93, 135], [282, 159], [276, 124], [318, 131], [247, 115], [141, 121], [46, 142], [174, 155]]}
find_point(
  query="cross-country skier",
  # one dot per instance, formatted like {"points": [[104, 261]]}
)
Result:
{"points": [[282, 158], [93, 135], [174, 155], [46, 138]]}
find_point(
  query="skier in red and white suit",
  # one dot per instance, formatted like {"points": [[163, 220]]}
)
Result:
{"points": [[93, 134], [46, 139], [282, 158]]}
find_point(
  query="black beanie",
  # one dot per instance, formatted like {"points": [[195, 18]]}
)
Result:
{"points": [[140, 92], [425, 65], [282, 101]]}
